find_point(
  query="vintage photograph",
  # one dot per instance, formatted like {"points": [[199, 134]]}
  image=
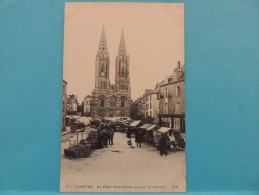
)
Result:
{"points": [[123, 114]]}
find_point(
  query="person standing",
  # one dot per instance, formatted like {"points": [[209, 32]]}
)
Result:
{"points": [[162, 145], [105, 138], [140, 137], [111, 135], [137, 136], [99, 139]]}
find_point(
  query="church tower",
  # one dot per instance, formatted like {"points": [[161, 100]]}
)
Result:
{"points": [[102, 66], [122, 76], [111, 100]]}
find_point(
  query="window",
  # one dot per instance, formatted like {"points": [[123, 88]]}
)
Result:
{"points": [[177, 123], [102, 101], [151, 113], [166, 108], [150, 97], [177, 91], [113, 101], [150, 106], [166, 93], [147, 106], [123, 101]]}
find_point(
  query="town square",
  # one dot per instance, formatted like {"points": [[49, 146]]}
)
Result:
{"points": [[121, 131]]}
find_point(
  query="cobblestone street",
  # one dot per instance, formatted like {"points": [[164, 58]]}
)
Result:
{"points": [[119, 165]]}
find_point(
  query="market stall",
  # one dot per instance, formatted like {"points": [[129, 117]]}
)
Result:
{"points": [[142, 130], [132, 128], [151, 131]]}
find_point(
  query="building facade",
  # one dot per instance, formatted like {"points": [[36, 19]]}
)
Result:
{"points": [[72, 104], [166, 103], [109, 100], [152, 104], [172, 94]]}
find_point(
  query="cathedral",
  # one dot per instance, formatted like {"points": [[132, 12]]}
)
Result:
{"points": [[111, 100]]}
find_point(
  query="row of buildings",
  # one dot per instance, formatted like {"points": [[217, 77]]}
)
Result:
{"points": [[166, 103]]}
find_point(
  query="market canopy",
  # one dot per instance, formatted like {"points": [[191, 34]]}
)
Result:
{"points": [[164, 129], [145, 126], [84, 120], [151, 127], [135, 123]]}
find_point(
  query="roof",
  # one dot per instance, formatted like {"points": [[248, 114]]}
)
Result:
{"points": [[151, 127], [145, 126], [134, 123], [164, 129]]}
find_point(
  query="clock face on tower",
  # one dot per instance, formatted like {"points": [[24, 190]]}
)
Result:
{"points": [[102, 74]]}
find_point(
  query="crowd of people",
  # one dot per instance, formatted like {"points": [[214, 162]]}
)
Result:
{"points": [[139, 135], [105, 134]]}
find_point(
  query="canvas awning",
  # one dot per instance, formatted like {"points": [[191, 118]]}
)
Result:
{"points": [[151, 127], [145, 126], [84, 120], [134, 123], [164, 129]]}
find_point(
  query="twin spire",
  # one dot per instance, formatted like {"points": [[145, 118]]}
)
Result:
{"points": [[103, 43], [122, 47]]}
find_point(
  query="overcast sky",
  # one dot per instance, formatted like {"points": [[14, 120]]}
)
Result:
{"points": [[154, 37]]}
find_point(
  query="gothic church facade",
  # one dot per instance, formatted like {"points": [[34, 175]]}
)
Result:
{"points": [[111, 100]]}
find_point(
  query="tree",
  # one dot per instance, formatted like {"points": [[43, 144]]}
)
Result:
{"points": [[134, 111]]}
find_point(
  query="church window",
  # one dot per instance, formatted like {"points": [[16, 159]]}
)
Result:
{"points": [[102, 101], [119, 70], [122, 72], [123, 101], [113, 101]]}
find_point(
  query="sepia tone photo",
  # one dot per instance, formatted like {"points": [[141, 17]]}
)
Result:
{"points": [[123, 115]]}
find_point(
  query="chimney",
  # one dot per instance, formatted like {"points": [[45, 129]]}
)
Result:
{"points": [[178, 64]]}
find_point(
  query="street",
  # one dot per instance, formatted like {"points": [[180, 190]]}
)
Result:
{"points": [[120, 165]]}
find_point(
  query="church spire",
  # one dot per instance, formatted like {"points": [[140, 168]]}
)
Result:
{"points": [[122, 47], [103, 44]]}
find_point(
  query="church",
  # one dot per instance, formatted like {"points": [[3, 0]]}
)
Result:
{"points": [[111, 100]]}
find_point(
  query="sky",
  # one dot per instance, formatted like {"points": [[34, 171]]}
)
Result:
{"points": [[154, 37]]}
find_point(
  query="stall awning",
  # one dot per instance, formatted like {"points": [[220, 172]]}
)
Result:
{"points": [[145, 126], [164, 129], [135, 123], [151, 127], [84, 120]]}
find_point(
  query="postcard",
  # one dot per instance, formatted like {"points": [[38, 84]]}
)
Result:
{"points": [[123, 114]]}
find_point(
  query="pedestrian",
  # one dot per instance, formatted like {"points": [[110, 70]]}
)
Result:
{"points": [[111, 134], [99, 139], [129, 132], [137, 136], [105, 138], [140, 137], [162, 145]]}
